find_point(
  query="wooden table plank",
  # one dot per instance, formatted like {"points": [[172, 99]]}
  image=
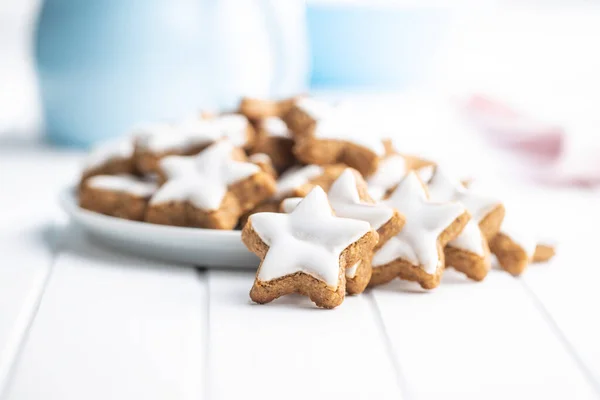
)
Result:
{"points": [[114, 326], [472, 341], [290, 349]]}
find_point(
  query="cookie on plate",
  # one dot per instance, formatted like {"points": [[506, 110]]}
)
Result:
{"points": [[392, 169], [304, 114], [275, 139], [110, 158], [256, 109], [209, 190], [188, 137], [341, 138], [121, 196]]}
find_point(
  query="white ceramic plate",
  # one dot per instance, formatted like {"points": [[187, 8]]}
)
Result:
{"points": [[194, 246]]}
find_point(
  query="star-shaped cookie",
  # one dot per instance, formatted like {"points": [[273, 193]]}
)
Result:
{"points": [[515, 246], [349, 199], [306, 251], [416, 253], [392, 169], [209, 190], [469, 251]]}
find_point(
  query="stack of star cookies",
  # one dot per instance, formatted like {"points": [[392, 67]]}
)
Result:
{"points": [[329, 205]]}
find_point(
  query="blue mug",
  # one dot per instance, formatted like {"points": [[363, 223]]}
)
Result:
{"points": [[105, 65]]}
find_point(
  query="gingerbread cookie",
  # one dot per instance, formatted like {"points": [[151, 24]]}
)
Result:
{"points": [[264, 162], [256, 109], [188, 137], [513, 246], [121, 196], [417, 252], [154, 142], [349, 199], [110, 158], [275, 139], [236, 128], [209, 190], [468, 252], [341, 138], [305, 113], [392, 169], [297, 182], [543, 252], [306, 251]]}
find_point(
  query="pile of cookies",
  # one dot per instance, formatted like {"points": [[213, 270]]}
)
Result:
{"points": [[327, 204]]}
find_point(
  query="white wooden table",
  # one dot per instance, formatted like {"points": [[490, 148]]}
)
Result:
{"points": [[81, 321]]}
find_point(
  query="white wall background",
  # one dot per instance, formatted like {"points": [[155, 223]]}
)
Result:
{"points": [[541, 55]]}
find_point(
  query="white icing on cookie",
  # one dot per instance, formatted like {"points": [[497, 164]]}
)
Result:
{"points": [[316, 109], [350, 128], [519, 233], [275, 127], [295, 177], [165, 137], [191, 132], [346, 203], [310, 239], [234, 127], [123, 183], [115, 149], [259, 158], [351, 272], [203, 180], [390, 172], [345, 122], [444, 188], [425, 173], [425, 221]]}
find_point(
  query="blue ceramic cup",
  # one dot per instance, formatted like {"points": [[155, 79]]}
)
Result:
{"points": [[105, 65]]}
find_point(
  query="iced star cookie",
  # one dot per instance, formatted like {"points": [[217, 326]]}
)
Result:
{"points": [[110, 158], [263, 161], [349, 199], [468, 252], [543, 252], [209, 190], [417, 252], [344, 138], [156, 141], [297, 182], [306, 251], [188, 137], [515, 246], [392, 169], [256, 109], [121, 196], [275, 139], [305, 113]]}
